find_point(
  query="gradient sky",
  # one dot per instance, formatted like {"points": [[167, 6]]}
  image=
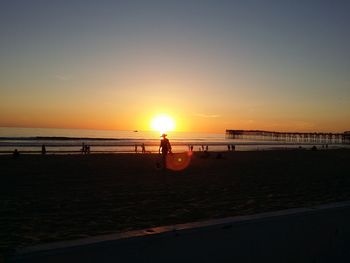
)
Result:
{"points": [[212, 65]]}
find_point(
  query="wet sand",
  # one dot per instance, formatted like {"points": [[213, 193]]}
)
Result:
{"points": [[60, 197]]}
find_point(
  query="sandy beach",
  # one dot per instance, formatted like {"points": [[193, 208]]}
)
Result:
{"points": [[60, 197]]}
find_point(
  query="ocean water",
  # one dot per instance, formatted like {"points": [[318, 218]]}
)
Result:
{"points": [[71, 140], [63, 140]]}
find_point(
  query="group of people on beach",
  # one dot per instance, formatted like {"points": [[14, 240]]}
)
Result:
{"points": [[203, 148], [231, 147], [85, 149], [143, 148]]}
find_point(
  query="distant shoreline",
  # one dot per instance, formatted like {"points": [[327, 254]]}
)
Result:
{"points": [[152, 148]]}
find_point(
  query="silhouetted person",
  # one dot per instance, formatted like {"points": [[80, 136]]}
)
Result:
{"points": [[165, 147], [83, 148], [228, 147], [135, 148], [15, 154], [43, 149], [191, 148], [143, 148], [233, 147]]}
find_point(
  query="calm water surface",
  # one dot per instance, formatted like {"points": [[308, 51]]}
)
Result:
{"points": [[31, 139], [67, 140]]}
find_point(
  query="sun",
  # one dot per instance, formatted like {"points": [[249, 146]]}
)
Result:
{"points": [[163, 123]]}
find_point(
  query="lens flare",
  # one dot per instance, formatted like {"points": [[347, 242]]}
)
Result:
{"points": [[178, 161]]}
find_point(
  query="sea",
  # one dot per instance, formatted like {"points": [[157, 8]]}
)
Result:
{"points": [[63, 141]]}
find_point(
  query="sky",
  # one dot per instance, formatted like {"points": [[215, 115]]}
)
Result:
{"points": [[210, 64]]}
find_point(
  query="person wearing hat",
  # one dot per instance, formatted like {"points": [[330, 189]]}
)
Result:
{"points": [[165, 147]]}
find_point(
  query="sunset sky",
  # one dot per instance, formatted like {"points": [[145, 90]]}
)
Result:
{"points": [[211, 65]]}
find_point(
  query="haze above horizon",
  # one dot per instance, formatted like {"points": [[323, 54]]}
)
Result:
{"points": [[210, 65]]}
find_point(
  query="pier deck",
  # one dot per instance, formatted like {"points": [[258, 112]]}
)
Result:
{"points": [[298, 137]]}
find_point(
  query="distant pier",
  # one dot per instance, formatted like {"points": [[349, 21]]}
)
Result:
{"points": [[297, 137]]}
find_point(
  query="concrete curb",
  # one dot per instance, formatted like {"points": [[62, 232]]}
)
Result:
{"points": [[30, 254]]}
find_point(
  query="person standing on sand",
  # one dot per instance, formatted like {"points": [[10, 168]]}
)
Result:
{"points": [[43, 149], [165, 147]]}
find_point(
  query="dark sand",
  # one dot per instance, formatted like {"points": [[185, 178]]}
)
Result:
{"points": [[59, 197]]}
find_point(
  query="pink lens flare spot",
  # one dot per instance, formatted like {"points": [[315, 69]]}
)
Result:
{"points": [[178, 161]]}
